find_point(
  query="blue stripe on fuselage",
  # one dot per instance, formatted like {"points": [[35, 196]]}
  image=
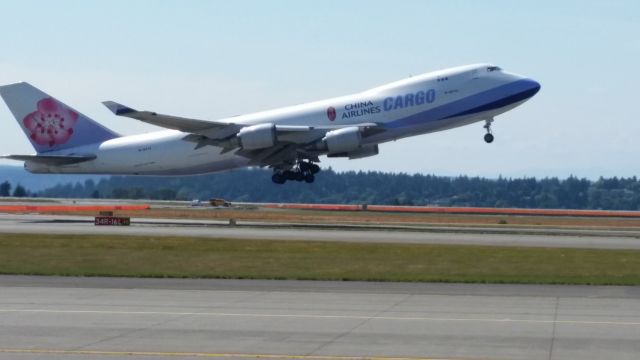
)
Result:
{"points": [[495, 98]]}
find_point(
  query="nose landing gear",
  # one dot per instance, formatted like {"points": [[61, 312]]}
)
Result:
{"points": [[488, 137]]}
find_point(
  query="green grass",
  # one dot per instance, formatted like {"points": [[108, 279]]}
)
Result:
{"points": [[90, 255]]}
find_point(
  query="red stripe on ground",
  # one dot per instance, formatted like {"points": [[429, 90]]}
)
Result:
{"points": [[71, 208], [458, 210]]}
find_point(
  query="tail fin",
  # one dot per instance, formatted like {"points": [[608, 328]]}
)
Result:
{"points": [[49, 124]]}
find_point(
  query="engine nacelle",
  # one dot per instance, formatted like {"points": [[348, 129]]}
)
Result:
{"points": [[362, 152], [257, 136], [343, 140], [35, 168]]}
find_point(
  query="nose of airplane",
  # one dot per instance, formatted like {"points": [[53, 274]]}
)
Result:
{"points": [[521, 88], [524, 87], [532, 86]]}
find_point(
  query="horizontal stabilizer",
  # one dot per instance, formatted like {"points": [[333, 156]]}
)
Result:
{"points": [[51, 159]]}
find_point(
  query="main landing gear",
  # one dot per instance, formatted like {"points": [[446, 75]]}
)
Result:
{"points": [[488, 137], [304, 171]]}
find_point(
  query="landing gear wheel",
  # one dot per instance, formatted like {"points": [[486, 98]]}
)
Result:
{"points": [[307, 166], [488, 137], [278, 178], [289, 175], [309, 178], [301, 171]]}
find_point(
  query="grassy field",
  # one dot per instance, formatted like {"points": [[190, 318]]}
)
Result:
{"points": [[260, 259]]}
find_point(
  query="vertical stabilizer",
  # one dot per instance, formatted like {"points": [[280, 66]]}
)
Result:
{"points": [[49, 124]]}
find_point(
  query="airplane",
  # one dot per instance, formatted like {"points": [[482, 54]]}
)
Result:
{"points": [[288, 140]]}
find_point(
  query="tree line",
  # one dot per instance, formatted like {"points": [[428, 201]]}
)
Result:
{"points": [[372, 187], [19, 191]]}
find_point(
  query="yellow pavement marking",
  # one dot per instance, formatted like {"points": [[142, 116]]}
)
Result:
{"points": [[205, 355], [318, 316]]}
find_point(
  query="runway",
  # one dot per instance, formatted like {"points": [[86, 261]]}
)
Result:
{"points": [[582, 238], [109, 318]]}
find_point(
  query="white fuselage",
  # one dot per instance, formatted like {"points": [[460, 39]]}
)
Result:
{"points": [[417, 105]]}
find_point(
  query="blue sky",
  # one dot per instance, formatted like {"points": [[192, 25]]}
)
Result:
{"points": [[209, 59]]}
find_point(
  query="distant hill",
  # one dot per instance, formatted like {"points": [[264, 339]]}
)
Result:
{"points": [[38, 182]]}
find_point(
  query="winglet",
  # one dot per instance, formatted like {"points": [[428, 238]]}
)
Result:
{"points": [[118, 109]]}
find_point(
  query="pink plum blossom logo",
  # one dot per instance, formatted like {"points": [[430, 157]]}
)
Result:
{"points": [[51, 124], [331, 113]]}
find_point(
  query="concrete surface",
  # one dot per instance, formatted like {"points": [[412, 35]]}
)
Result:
{"points": [[60, 224], [106, 318]]}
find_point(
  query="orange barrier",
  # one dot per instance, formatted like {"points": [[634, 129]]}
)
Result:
{"points": [[327, 207], [458, 210], [505, 211], [70, 208]]}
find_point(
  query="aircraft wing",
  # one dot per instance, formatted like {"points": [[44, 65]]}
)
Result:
{"points": [[51, 159], [292, 139], [215, 130], [210, 129]]}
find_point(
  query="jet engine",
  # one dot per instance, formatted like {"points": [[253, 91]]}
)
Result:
{"points": [[257, 136], [365, 151], [343, 140], [362, 152]]}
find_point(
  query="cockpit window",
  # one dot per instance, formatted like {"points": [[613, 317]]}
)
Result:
{"points": [[493, 68]]}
